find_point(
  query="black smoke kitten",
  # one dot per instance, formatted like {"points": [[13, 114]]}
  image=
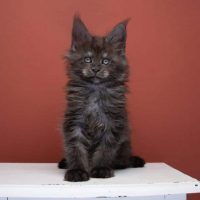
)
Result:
{"points": [[96, 132]]}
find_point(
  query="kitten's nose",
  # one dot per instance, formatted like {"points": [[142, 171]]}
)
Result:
{"points": [[95, 69]]}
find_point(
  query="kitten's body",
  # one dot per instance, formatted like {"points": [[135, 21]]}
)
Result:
{"points": [[96, 132]]}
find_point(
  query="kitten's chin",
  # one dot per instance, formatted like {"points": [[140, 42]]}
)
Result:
{"points": [[96, 80]]}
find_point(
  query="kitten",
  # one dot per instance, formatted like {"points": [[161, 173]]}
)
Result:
{"points": [[96, 132]]}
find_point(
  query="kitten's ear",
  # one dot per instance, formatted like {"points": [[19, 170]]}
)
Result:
{"points": [[117, 37], [80, 33]]}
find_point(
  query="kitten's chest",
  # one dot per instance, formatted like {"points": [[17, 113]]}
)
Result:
{"points": [[94, 104], [95, 114]]}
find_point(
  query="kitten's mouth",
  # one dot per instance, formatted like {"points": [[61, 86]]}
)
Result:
{"points": [[102, 75], [97, 77]]}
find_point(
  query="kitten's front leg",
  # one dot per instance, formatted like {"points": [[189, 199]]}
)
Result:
{"points": [[77, 159], [103, 159]]}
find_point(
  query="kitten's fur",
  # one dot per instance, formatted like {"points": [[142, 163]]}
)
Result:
{"points": [[96, 132]]}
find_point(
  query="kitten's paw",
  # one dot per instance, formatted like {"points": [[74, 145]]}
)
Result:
{"points": [[121, 166], [62, 164], [76, 175], [102, 172], [136, 161]]}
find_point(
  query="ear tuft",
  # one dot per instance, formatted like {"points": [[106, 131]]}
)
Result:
{"points": [[126, 21]]}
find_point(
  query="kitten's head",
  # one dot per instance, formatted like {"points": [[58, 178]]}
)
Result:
{"points": [[98, 59]]}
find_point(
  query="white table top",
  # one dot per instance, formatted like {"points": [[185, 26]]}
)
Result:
{"points": [[46, 180]]}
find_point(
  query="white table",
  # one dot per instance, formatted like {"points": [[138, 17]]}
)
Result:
{"points": [[156, 181]]}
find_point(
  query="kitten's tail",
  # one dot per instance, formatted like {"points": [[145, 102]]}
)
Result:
{"points": [[136, 161], [62, 164]]}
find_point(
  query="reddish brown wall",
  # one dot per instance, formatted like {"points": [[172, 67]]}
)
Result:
{"points": [[163, 51]]}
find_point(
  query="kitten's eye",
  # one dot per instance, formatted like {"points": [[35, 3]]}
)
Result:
{"points": [[105, 61], [88, 59]]}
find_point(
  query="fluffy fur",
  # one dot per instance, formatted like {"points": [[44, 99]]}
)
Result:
{"points": [[96, 131]]}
